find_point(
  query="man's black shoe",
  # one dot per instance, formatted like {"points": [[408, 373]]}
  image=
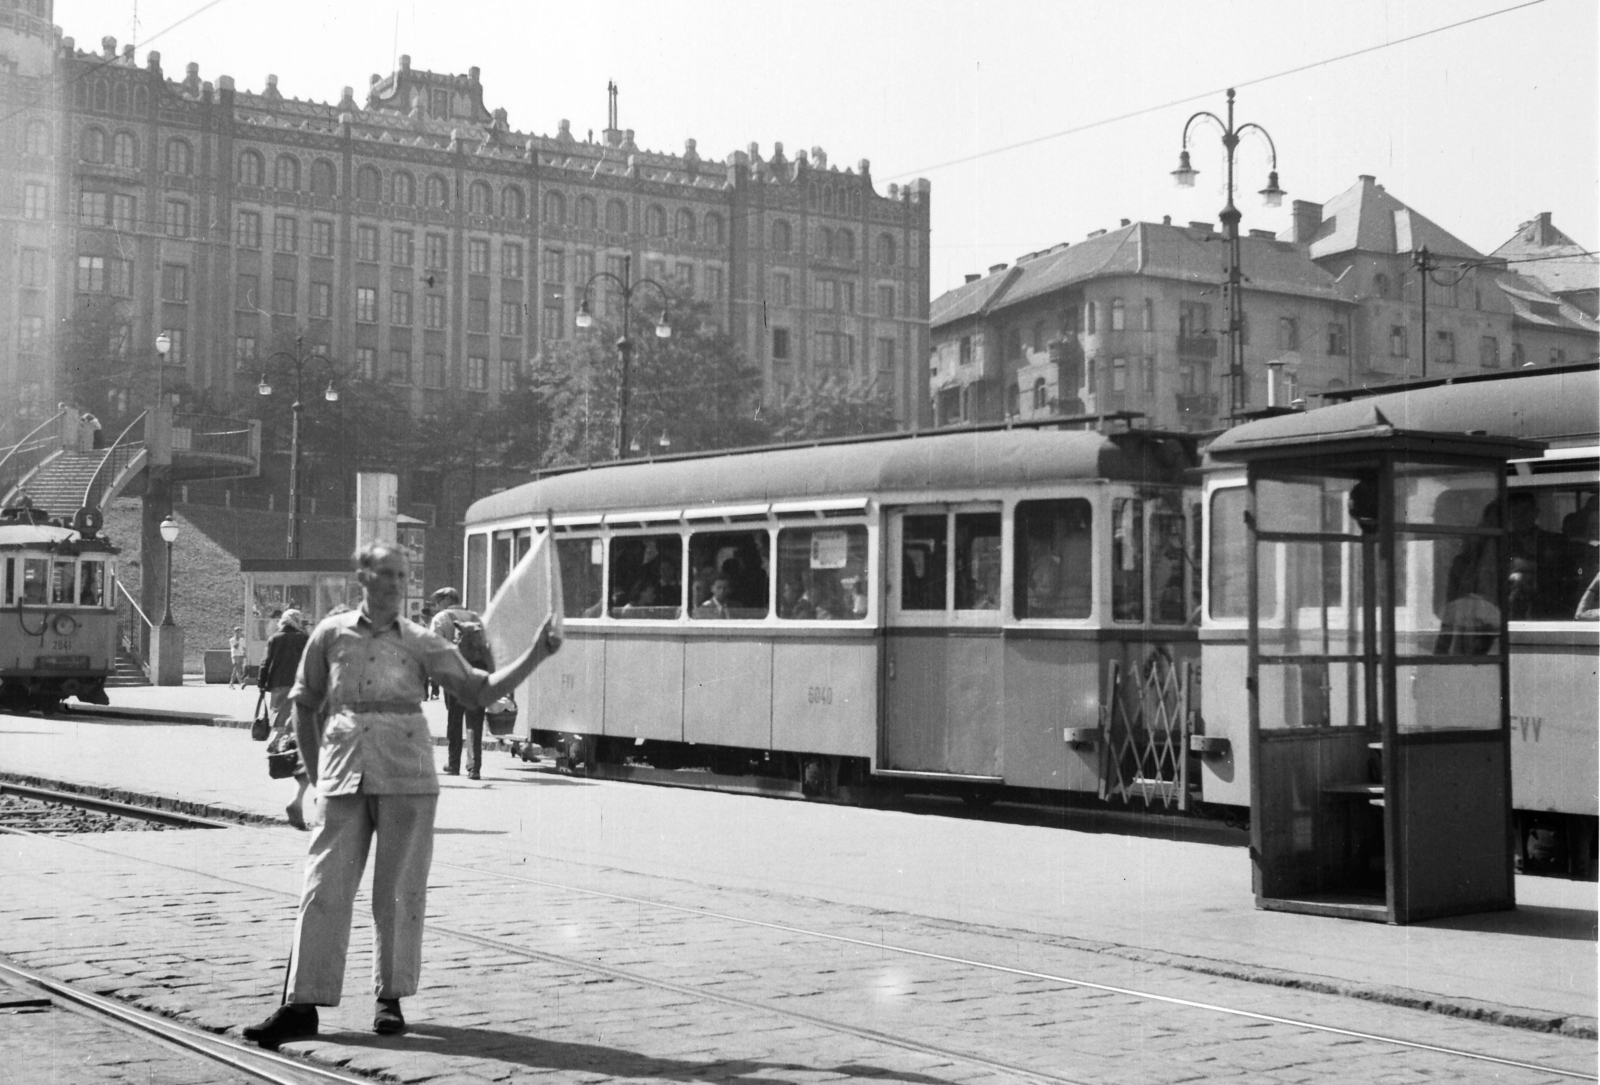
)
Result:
{"points": [[288, 1022], [388, 1020]]}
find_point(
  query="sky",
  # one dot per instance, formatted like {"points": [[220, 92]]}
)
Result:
{"points": [[1035, 122]]}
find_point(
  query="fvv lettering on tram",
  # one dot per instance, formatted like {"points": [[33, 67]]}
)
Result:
{"points": [[1526, 724]]}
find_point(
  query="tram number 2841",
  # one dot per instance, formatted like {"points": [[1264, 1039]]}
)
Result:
{"points": [[819, 695]]}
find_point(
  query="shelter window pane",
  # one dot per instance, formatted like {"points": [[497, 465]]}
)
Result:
{"points": [[1054, 544]]}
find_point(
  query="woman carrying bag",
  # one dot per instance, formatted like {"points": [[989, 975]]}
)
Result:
{"points": [[278, 671]]}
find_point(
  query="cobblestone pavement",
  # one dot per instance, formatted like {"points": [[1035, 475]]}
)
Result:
{"points": [[571, 971]]}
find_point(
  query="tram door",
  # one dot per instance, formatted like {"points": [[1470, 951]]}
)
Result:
{"points": [[942, 654]]}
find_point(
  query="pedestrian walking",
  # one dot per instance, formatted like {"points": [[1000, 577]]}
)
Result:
{"points": [[278, 671], [370, 756], [463, 723], [236, 652]]}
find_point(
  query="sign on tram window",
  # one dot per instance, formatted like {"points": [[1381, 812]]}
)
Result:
{"points": [[1054, 559], [822, 574], [1127, 559], [646, 577], [35, 581], [581, 562]]}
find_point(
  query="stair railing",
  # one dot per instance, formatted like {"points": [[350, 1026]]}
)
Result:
{"points": [[117, 457], [27, 453], [135, 638]]}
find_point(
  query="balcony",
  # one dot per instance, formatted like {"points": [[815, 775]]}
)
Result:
{"points": [[1196, 404], [1197, 346]]}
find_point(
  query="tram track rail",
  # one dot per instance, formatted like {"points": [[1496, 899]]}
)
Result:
{"points": [[255, 1063], [764, 1006], [81, 801]]}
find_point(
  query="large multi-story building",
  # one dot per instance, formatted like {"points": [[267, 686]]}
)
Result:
{"points": [[1135, 319], [416, 238]]}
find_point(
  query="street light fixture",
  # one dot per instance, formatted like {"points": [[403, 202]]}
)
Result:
{"points": [[298, 359], [163, 344], [169, 533], [585, 319], [1273, 195]]}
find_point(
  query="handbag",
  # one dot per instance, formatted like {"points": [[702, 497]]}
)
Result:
{"points": [[261, 726], [283, 757], [501, 717]]}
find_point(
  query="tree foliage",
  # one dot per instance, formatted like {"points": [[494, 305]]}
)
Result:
{"points": [[832, 406]]}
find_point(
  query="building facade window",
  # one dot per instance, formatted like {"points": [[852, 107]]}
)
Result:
{"points": [[177, 218], [400, 308], [1089, 317], [322, 300], [1288, 333], [1119, 315], [367, 363], [655, 221], [478, 315], [554, 265], [123, 212], [781, 284], [886, 250], [1194, 319], [36, 139], [402, 248], [367, 243], [367, 304], [34, 270], [1444, 345], [324, 179], [480, 199], [616, 216], [1147, 375], [886, 352], [400, 367], [683, 224], [176, 354], [180, 157], [433, 371], [552, 323], [92, 208], [321, 237], [247, 230], [285, 233], [713, 283], [1518, 360], [94, 145], [433, 311], [780, 344], [508, 374], [438, 192], [582, 267], [35, 201], [369, 184], [91, 274], [1147, 318], [713, 234], [174, 282], [512, 203], [1338, 345], [436, 251], [283, 296], [404, 188], [684, 273], [1489, 352], [244, 351], [511, 260], [1119, 374], [886, 302], [478, 256], [782, 237], [1397, 341], [286, 173], [555, 208], [477, 373], [30, 334], [247, 292], [511, 318]]}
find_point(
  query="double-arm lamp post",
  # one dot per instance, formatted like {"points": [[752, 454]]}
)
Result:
{"points": [[1184, 175], [298, 359], [625, 345]]}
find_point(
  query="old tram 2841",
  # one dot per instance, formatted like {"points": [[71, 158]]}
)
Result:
{"points": [[964, 612], [58, 623]]}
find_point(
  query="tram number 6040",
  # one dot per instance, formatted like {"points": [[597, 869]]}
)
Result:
{"points": [[819, 695]]}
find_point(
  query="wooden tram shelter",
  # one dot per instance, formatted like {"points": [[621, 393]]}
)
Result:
{"points": [[1378, 680]]}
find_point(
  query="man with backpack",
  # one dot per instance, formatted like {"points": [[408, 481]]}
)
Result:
{"points": [[464, 629]]}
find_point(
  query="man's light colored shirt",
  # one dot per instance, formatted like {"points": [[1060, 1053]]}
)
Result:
{"points": [[371, 682]]}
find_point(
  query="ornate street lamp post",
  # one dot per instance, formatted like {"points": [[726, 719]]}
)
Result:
{"points": [[625, 344], [1272, 195], [298, 359], [169, 534], [163, 344]]}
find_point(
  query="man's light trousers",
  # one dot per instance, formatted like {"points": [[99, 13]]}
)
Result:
{"points": [[403, 825]]}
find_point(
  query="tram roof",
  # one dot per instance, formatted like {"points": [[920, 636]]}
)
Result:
{"points": [[1560, 407], [48, 536], [944, 460]]}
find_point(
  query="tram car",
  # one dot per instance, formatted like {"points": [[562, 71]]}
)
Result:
{"points": [[1552, 505], [962, 612], [58, 621]]}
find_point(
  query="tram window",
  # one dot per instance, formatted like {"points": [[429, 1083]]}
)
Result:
{"points": [[822, 573], [90, 583], [504, 550], [1127, 559], [1168, 561], [922, 562], [740, 557], [64, 585], [1055, 547], [11, 583], [477, 568], [581, 562], [645, 577], [1554, 550], [977, 561], [35, 580]]}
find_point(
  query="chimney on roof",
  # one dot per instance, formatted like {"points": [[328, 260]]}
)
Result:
{"points": [[973, 276], [1201, 227], [1127, 222], [1096, 233], [1266, 235], [994, 268], [1546, 231], [108, 45], [1305, 219], [405, 62], [1366, 179], [1166, 220]]}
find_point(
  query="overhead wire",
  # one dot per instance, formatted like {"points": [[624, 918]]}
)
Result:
{"points": [[1202, 95]]}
